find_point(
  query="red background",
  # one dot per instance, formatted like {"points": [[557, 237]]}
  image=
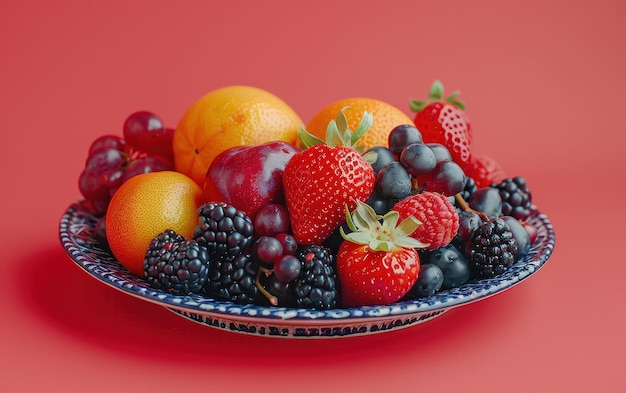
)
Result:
{"points": [[544, 84]]}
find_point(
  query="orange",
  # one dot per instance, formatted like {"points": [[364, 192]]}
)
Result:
{"points": [[386, 117], [227, 117], [146, 205]]}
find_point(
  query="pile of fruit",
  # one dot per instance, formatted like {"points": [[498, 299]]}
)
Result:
{"points": [[363, 206]]}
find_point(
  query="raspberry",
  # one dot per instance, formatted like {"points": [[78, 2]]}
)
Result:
{"points": [[439, 218], [175, 264], [516, 197], [491, 249]]}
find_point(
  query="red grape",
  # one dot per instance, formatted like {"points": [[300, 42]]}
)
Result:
{"points": [[90, 185], [271, 220], [106, 160], [107, 142], [267, 250], [145, 132], [287, 268], [145, 165]]}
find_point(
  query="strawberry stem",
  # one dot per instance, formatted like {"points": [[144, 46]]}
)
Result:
{"points": [[435, 94]]}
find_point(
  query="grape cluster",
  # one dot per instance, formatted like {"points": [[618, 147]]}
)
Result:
{"points": [[146, 146], [408, 165], [275, 251], [260, 261]]}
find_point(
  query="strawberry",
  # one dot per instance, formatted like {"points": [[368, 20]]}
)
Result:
{"points": [[324, 177], [443, 120], [439, 218], [484, 170], [377, 263]]}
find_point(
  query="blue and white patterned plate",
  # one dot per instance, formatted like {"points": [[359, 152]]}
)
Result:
{"points": [[77, 237]]}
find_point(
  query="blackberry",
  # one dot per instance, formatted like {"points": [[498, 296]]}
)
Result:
{"points": [[175, 264], [316, 286], [516, 197], [491, 249], [160, 251], [232, 279], [468, 189], [225, 231]]}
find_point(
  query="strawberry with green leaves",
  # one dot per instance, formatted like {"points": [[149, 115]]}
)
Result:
{"points": [[377, 263], [324, 177], [443, 120]]}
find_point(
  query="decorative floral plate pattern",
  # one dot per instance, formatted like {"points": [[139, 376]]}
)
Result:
{"points": [[76, 233]]}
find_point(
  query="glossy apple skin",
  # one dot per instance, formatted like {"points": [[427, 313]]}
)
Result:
{"points": [[249, 177]]}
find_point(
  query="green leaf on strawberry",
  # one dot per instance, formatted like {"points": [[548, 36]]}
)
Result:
{"points": [[436, 94], [443, 120], [380, 233], [377, 263], [325, 176], [338, 133]]}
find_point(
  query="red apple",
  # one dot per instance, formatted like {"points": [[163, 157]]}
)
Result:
{"points": [[249, 177]]}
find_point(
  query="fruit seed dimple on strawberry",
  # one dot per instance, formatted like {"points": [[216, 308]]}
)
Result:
{"points": [[320, 180]]}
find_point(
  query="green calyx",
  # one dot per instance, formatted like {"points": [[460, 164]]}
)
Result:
{"points": [[338, 134], [436, 94], [380, 233]]}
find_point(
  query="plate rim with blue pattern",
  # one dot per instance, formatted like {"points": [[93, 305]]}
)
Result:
{"points": [[77, 236]]}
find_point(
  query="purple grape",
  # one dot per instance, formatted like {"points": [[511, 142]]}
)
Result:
{"points": [[287, 268], [441, 152], [107, 142], [487, 200], [290, 246], [383, 156], [522, 238], [401, 136], [106, 160], [91, 186], [145, 132], [418, 159], [112, 179], [446, 178], [271, 220], [393, 181], [468, 221], [267, 250], [146, 164]]}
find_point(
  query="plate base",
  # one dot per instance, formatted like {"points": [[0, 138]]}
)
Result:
{"points": [[308, 329]]}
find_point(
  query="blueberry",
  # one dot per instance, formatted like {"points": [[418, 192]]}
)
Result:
{"points": [[520, 234], [452, 263], [429, 281], [487, 200]]}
